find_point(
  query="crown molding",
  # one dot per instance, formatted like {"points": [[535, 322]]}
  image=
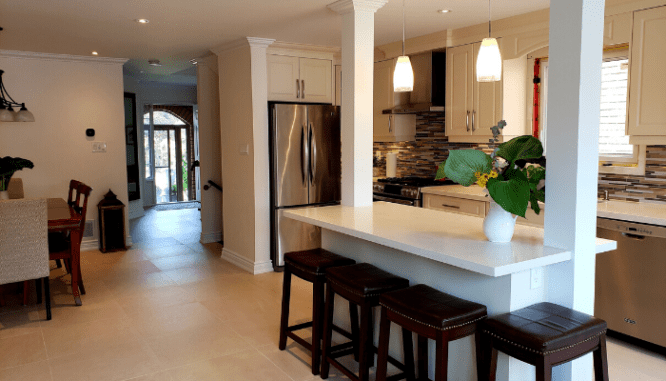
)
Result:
{"points": [[347, 6], [61, 57], [257, 42], [305, 47]]}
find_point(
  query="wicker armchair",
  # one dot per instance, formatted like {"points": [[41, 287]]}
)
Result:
{"points": [[24, 250]]}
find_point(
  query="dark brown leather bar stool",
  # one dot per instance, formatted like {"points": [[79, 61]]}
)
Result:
{"points": [[431, 314], [310, 265], [545, 335], [360, 284]]}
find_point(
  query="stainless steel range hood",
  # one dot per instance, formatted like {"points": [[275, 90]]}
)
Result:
{"points": [[429, 84]]}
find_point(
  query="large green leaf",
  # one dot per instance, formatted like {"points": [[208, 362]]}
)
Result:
{"points": [[462, 164], [512, 195], [522, 147], [9, 165]]}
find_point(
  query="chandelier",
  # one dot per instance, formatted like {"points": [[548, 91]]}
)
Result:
{"points": [[7, 104]]}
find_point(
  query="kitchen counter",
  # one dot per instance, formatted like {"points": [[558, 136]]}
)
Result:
{"points": [[640, 212], [450, 253], [457, 241]]}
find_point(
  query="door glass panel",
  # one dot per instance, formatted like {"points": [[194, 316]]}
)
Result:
{"points": [[173, 186], [161, 145], [186, 171]]}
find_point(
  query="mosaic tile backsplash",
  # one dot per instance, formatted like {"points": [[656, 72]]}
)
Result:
{"points": [[422, 156]]}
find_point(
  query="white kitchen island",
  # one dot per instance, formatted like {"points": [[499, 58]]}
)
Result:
{"points": [[448, 252]]}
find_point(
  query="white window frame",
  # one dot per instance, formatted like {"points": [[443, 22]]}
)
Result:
{"points": [[619, 165]]}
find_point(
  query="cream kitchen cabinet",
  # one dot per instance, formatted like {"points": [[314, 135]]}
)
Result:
{"points": [[390, 127], [617, 29], [471, 107], [646, 113], [298, 79], [455, 204], [338, 85]]}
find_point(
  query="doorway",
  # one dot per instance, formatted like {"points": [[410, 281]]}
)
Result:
{"points": [[171, 149]]}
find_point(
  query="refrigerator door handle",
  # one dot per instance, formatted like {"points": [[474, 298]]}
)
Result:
{"points": [[313, 155], [305, 154]]}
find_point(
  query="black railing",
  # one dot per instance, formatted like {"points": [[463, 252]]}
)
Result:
{"points": [[211, 183]]}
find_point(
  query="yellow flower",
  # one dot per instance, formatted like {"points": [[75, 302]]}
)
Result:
{"points": [[482, 178]]}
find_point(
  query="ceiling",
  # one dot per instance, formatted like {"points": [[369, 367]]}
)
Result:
{"points": [[181, 30]]}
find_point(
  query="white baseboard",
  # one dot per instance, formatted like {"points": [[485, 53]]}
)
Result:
{"points": [[211, 237], [245, 264], [93, 244]]}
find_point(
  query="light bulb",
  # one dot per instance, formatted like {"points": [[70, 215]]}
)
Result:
{"points": [[403, 76], [489, 62]]}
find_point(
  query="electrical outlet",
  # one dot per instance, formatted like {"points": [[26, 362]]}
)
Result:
{"points": [[99, 147], [536, 278]]}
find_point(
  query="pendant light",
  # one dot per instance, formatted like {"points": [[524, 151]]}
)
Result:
{"points": [[7, 104], [489, 60], [403, 75]]}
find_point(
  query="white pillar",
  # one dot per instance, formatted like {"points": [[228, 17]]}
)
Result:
{"points": [[262, 211], [358, 44], [574, 86]]}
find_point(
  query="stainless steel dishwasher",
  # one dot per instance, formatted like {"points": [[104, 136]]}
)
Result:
{"points": [[631, 281]]}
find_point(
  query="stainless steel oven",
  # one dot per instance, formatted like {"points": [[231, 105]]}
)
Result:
{"points": [[403, 190]]}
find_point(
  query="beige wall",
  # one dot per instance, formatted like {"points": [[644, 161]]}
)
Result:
{"points": [[209, 148], [236, 118], [67, 95]]}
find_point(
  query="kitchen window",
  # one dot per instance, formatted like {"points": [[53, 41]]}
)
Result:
{"points": [[616, 155]]}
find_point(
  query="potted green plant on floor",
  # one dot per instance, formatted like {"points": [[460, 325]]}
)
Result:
{"points": [[8, 166], [513, 175]]}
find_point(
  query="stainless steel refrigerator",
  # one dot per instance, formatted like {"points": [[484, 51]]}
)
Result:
{"points": [[305, 171]]}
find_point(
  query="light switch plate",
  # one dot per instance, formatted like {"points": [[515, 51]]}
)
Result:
{"points": [[244, 149], [99, 147], [536, 278]]}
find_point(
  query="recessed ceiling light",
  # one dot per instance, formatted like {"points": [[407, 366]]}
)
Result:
{"points": [[444, 11], [94, 53], [154, 63], [194, 61], [142, 21]]}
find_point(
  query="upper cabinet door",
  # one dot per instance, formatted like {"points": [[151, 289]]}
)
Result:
{"points": [[283, 78], [487, 102], [617, 29], [459, 89], [315, 77], [382, 97], [647, 113]]}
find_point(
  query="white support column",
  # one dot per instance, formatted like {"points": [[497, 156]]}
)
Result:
{"points": [[262, 228], [358, 44], [574, 86]]}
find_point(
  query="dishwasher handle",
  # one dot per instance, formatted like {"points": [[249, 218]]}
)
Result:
{"points": [[634, 236]]}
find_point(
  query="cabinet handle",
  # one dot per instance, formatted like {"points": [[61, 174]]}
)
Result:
{"points": [[451, 206], [467, 121], [390, 126], [298, 90], [303, 88], [473, 117]]}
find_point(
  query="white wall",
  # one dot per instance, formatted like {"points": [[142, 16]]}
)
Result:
{"points": [[209, 148], [236, 120], [155, 93], [67, 95]]}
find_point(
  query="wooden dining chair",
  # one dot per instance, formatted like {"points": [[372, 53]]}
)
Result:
{"points": [[24, 253], [60, 245]]}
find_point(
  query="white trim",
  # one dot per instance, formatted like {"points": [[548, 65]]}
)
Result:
{"points": [[242, 42], [211, 237], [61, 57], [257, 42], [245, 264], [636, 171], [281, 48], [90, 245], [347, 6]]}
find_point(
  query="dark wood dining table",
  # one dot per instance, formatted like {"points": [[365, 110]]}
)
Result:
{"points": [[61, 218]]}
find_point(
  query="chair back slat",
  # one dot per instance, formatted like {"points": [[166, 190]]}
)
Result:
{"points": [[80, 206]]}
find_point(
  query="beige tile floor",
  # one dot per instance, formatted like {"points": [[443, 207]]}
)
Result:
{"points": [[170, 309]]}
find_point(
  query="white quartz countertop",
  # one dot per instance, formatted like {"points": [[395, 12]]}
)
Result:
{"points": [[640, 212], [453, 239], [473, 192]]}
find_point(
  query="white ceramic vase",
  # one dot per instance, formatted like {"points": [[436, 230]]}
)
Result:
{"points": [[499, 224], [4, 195]]}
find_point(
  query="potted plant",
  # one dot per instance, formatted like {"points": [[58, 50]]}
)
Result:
{"points": [[513, 175], [9, 165]]}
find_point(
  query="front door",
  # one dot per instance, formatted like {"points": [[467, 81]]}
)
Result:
{"points": [[171, 163]]}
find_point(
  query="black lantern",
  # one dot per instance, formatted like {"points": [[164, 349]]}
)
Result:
{"points": [[111, 224]]}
